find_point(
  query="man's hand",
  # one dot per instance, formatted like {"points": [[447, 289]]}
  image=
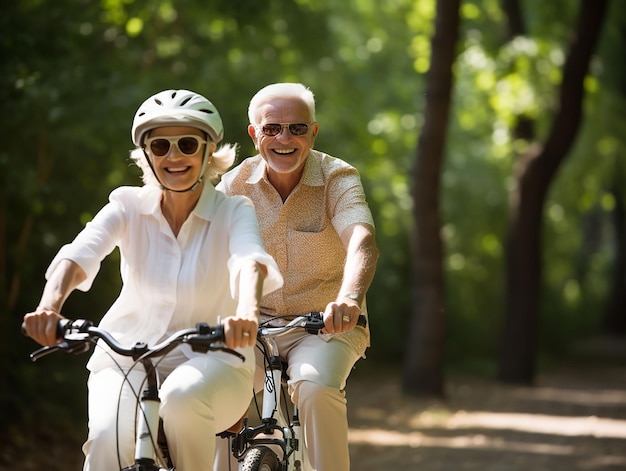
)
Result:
{"points": [[341, 316]]}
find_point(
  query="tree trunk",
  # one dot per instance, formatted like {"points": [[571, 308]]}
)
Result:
{"points": [[614, 321], [534, 173], [423, 369]]}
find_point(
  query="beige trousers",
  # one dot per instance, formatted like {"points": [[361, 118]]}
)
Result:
{"points": [[318, 371]]}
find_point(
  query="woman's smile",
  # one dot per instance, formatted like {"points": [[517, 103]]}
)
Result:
{"points": [[177, 170]]}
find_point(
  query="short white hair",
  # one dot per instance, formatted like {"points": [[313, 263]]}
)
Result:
{"points": [[280, 90], [221, 160]]}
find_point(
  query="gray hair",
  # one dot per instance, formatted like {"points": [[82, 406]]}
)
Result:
{"points": [[221, 160], [280, 90]]}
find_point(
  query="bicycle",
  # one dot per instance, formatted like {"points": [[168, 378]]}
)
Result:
{"points": [[276, 444], [151, 452]]}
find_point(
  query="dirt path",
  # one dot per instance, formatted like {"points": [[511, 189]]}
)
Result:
{"points": [[573, 419]]}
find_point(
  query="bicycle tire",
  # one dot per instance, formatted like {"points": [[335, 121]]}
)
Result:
{"points": [[261, 458]]}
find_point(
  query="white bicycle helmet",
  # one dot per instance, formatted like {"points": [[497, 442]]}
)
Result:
{"points": [[178, 108]]}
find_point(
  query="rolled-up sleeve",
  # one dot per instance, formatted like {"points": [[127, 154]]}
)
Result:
{"points": [[347, 200]]}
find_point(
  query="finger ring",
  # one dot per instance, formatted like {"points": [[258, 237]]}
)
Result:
{"points": [[346, 318], [246, 334]]}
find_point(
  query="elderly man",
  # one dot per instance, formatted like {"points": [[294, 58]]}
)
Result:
{"points": [[317, 225]]}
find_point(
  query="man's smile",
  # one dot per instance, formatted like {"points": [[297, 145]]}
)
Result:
{"points": [[285, 151]]}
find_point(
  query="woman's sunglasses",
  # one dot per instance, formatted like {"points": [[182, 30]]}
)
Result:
{"points": [[160, 146], [274, 129]]}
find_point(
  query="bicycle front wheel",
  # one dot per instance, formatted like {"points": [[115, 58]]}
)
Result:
{"points": [[261, 458]]}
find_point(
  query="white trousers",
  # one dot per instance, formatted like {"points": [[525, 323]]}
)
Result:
{"points": [[199, 398], [318, 371]]}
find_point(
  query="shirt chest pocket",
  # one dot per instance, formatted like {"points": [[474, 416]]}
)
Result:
{"points": [[315, 254]]}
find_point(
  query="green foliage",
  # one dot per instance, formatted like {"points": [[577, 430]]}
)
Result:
{"points": [[75, 71]]}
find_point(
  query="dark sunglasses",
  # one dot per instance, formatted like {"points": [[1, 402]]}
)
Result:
{"points": [[160, 146], [274, 129]]}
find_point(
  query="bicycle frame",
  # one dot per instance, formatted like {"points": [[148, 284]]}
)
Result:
{"points": [[278, 433], [275, 419], [294, 451]]}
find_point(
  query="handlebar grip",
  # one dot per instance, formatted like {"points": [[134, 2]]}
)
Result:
{"points": [[362, 321], [61, 328]]}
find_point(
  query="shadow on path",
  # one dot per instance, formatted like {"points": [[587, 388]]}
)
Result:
{"points": [[574, 418]]}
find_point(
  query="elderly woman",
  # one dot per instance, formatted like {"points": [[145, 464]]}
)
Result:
{"points": [[188, 254]]}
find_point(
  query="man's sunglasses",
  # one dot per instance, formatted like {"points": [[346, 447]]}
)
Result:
{"points": [[160, 146], [274, 129]]}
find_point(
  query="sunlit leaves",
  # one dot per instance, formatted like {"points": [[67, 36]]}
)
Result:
{"points": [[167, 12], [420, 21], [420, 49], [170, 46], [114, 11], [420, 18], [134, 27], [216, 29], [470, 11]]}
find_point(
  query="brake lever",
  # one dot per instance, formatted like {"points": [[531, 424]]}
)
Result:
{"points": [[228, 350], [43, 351], [68, 347], [199, 344], [75, 345]]}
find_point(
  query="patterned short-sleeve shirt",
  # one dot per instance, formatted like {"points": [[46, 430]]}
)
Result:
{"points": [[303, 232]]}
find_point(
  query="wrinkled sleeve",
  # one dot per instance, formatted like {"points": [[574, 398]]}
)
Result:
{"points": [[347, 199], [246, 244], [93, 243]]}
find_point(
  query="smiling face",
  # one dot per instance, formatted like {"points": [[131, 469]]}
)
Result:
{"points": [[174, 169], [285, 153]]}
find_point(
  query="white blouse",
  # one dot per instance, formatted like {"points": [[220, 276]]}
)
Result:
{"points": [[170, 283]]}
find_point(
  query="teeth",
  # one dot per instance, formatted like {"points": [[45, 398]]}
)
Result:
{"points": [[284, 151], [180, 169]]}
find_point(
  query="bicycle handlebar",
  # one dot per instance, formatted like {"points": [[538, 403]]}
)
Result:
{"points": [[312, 322], [79, 334]]}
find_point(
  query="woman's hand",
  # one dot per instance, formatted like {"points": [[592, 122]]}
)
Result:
{"points": [[240, 331], [41, 325]]}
